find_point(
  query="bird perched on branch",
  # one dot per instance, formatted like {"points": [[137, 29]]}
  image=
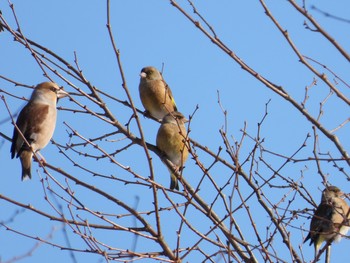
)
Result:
{"points": [[330, 221], [171, 139], [155, 94], [35, 124]]}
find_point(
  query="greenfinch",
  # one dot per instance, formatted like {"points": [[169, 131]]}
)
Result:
{"points": [[36, 121], [155, 94], [330, 221], [171, 140]]}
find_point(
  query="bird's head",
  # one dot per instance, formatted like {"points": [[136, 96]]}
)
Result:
{"points": [[150, 73], [331, 192], [174, 117], [48, 92]]}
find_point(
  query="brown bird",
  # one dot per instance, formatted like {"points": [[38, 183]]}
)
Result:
{"points": [[330, 221], [36, 122], [171, 140], [155, 94]]}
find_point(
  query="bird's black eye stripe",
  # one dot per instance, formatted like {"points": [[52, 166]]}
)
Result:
{"points": [[53, 89]]}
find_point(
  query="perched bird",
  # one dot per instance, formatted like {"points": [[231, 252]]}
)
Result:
{"points": [[330, 221], [171, 140], [36, 122], [155, 94]]}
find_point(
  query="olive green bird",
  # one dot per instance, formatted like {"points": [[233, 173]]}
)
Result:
{"points": [[171, 140], [155, 94], [330, 221]]}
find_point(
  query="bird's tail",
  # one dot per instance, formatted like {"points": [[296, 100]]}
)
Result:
{"points": [[26, 161], [174, 184]]}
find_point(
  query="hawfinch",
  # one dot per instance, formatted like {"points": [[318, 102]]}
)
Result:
{"points": [[36, 122], [171, 140], [330, 221], [155, 94]]}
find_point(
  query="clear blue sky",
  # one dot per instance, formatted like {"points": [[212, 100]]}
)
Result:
{"points": [[152, 33]]}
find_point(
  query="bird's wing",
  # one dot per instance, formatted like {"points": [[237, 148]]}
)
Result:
{"points": [[21, 123], [170, 94], [321, 221], [35, 116]]}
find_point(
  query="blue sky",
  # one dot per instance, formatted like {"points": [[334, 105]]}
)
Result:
{"points": [[155, 33]]}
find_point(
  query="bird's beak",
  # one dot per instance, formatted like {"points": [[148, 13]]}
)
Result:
{"points": [[143, 75], [61, 94], [344, 195]]}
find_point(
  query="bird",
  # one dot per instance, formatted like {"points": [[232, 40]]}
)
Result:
{"points": [[330, 221], [155, 94], [171, 140], [36, 123]]}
